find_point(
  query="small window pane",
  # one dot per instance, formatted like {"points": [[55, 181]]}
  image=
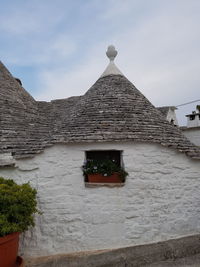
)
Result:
{"points": [[105, 154]]}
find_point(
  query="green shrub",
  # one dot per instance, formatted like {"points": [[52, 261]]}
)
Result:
{"points": [[17, 206]]}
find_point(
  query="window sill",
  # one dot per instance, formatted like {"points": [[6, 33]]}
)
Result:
{"points": [[93, 185]]}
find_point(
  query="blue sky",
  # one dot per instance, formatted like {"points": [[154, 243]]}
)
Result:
{"points": [[57, 48]]}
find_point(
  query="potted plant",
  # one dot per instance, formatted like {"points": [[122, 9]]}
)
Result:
{"points": [[17, 209], [103, 171]]}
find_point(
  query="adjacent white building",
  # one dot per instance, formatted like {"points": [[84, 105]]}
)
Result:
{"points": [[46, 143], [192, 130], [193, 119]]}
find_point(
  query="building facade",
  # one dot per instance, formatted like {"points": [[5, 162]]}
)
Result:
{"points": [[192, 130], [46, 144]]}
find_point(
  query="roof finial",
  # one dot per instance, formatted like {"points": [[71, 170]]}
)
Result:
{"points": [[111, 52]]}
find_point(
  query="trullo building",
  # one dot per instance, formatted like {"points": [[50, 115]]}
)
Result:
{"points": [[47, 143]]}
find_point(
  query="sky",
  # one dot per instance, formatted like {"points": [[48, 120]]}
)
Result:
{"points": [[57, 48]]}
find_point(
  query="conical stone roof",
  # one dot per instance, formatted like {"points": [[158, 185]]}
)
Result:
{"points": [[12, 91], [112, 110], [22, 127]]}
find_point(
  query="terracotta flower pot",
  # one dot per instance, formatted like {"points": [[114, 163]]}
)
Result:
{"points": [[8, 250], [99, 178]]}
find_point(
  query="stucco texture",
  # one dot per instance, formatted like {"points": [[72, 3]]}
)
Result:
{"points": [[193, 134], [160, 199]]}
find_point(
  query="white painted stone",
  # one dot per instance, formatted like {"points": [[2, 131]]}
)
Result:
{"points": [[160, 199], [193, 122], [111, 52], [111, 69], [193, 134], [171, 116], [6, 159]]}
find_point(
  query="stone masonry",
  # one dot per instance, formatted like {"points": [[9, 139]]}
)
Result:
{"points": [[160, 199]]}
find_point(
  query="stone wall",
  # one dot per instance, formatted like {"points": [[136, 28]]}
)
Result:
{"points": [[160, 199]]}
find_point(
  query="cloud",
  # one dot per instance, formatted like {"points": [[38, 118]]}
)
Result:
{"points": [[30, 17], [162, 58], [73, 81], [159, 55], [32, 33], [43, 52]]}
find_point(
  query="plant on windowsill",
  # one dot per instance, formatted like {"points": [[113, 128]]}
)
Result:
{"points": [[17, 208], [103, 171]]}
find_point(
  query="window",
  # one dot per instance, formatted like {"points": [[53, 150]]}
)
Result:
{"points": [[114, 155], [192, 117], [104, 167]]}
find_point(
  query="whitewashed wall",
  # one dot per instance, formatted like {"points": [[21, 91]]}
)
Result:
{"points": [[195, 122], [160, 200], [172, 116], [193, 134]]}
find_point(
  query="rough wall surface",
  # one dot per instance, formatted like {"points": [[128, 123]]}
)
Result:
{"points": [[193, 135], [160, 199], [193, 122]]}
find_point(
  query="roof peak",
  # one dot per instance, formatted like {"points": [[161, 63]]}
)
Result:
{"points": [[111, 68], [111, 52]]}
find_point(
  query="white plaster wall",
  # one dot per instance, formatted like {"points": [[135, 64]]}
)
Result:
{"points": [[193, 123], [193, 135], [172, 116], [160, 199]]}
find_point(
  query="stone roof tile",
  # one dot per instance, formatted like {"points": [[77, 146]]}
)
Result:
{"points": [[113, 109]]}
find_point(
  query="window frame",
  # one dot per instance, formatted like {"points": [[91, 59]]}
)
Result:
{"points": [[115, 154]]}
